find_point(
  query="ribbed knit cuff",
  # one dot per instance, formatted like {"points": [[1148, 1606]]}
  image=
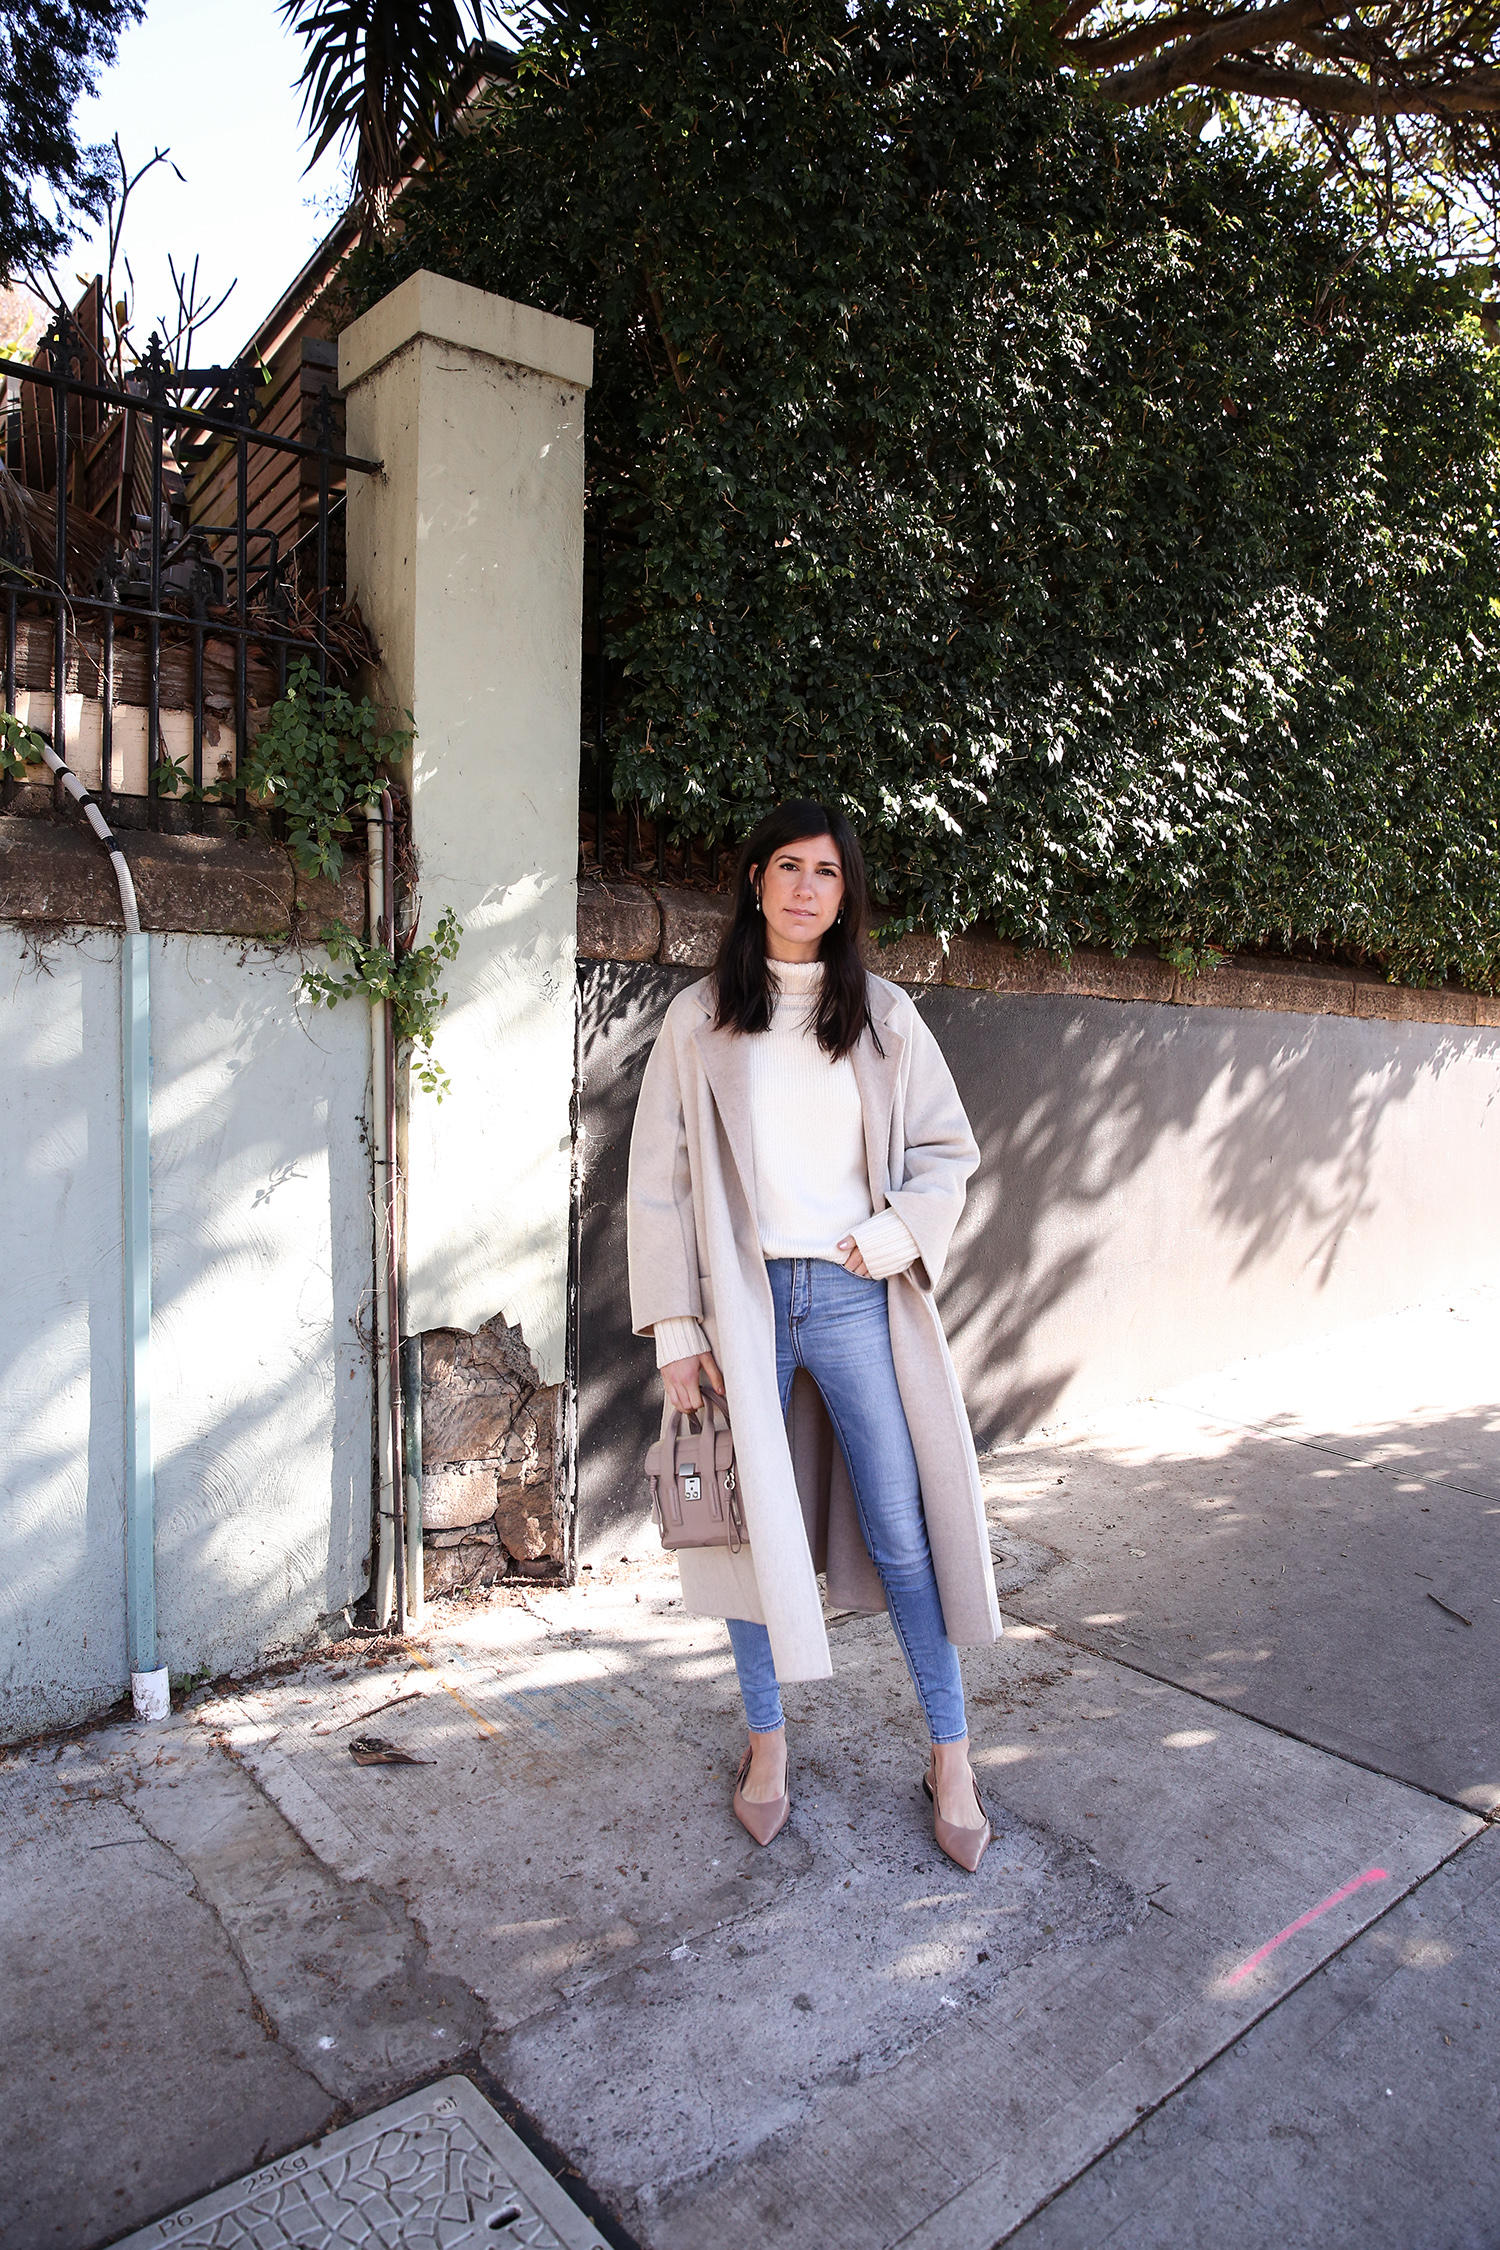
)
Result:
{"points": [[887, 1244], [679, 1339]]}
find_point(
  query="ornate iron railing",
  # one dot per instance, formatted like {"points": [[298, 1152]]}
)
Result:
{"points": [[129, 604]]}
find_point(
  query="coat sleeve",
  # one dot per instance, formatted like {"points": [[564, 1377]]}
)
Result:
{"points": [[660, 1234], [940, 1151]]}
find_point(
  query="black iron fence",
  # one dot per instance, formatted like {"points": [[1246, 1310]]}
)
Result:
{"points": [[111, 593]]}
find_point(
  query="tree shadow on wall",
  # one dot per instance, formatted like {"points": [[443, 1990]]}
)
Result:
{"points": [[1109, 1132], [1200, 1146]]}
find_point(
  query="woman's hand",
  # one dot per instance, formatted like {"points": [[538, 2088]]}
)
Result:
{"points": [[680, 1376], [852, 1260]]}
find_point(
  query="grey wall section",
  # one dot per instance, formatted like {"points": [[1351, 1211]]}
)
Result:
{"points": [[1161, 1190], [261, 1276]]}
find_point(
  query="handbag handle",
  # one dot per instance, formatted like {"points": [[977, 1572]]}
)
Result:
{"points": [[712, 1402]]}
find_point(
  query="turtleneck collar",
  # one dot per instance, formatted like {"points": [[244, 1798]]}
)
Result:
{"points": [[798, 979]]}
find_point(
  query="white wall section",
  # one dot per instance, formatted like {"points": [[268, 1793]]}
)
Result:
{"points": [[262, 1253], [467, 560]]}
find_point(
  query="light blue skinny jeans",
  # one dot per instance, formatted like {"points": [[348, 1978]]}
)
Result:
{"points": [[837, 1326]]}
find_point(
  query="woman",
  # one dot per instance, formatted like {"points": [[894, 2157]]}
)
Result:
{"points": [[797, 1169]]}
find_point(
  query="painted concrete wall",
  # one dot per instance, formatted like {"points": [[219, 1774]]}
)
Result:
{"points": [[261, 1276], [1162, 1190], [467, 560]]}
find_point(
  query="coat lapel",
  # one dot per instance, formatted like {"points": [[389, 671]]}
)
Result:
{"points": [[726, 1067], [876, 1075]]}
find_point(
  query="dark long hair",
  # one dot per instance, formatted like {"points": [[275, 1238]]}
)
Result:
{"points": [[742, 973]]}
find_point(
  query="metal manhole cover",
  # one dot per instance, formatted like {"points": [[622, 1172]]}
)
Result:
{"points": [[437, 2170]]}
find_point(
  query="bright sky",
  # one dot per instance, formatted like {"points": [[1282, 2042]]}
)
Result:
{"points": [[212, 80]]}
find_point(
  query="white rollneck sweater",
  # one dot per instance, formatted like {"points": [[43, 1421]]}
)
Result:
{"points": [[807, 1132]]}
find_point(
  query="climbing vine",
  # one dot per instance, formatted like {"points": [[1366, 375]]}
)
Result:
{"points": [[1103, 518], [321, 759], [408, 976]]}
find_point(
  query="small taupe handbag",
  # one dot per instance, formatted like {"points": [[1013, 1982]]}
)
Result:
{"points": [[694, 1494]]}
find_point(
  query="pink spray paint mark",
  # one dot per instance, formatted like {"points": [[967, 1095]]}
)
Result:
{"points": [[1370, 1875]]}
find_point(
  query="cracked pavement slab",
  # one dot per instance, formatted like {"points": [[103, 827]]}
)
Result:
{"points": [[1365, 2110], [338, 1967], [140, 2067], [723, 2038], [838, 2041], [191, 1986]]}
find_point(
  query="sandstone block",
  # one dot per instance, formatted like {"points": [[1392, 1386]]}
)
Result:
{"points": [[473, 1388], [530, 1533], [617, 922], [458, 1496], [1295, 987], [1138, 976], [914, 959], [691, 925], [1405, 1003], [450, 1570], [55, 870], [980, 962]]}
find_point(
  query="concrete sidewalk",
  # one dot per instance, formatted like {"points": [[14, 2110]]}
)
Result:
{"points": [[1242, 1745]]}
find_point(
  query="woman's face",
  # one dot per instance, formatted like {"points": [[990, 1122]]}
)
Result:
{"points": [[801, 889]]}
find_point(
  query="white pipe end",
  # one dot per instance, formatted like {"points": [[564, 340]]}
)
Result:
{"points": [[151, 1694]]}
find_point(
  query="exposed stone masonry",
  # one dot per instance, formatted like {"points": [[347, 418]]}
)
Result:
{"points": [[624, 921], [53, 873], [490, 1456]]}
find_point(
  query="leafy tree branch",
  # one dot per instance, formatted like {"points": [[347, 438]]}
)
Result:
{"points": [[51, 52]]}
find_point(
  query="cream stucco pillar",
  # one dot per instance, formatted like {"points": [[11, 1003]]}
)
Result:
{"points": [[466, 558]]}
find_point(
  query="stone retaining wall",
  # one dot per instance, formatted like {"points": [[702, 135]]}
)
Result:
{"points": [[679, 928], [54, 873]]}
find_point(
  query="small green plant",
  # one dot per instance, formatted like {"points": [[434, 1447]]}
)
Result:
{"points": [[174, 780], [20, 747], [409, 977], [1190, 960], [321, 758]]}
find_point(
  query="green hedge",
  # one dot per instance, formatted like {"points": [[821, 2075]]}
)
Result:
{"points": [[1091, 511]]}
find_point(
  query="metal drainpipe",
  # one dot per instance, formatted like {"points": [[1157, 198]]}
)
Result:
{"points": [[385, 1561], [392, 1216], [411, 1378], [150, 1687], [391, 1559], [411, 1383]]}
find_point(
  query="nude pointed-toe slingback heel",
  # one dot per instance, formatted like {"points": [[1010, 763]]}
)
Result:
{"points": [[764, 1821], [966, 1847]]}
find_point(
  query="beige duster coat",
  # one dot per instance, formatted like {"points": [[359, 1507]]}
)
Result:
{"points": [[695, 1249]]}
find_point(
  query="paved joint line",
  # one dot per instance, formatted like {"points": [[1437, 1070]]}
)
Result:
{"points": [[1318, 1445], [1271, 1726], [1278, 2000]]}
